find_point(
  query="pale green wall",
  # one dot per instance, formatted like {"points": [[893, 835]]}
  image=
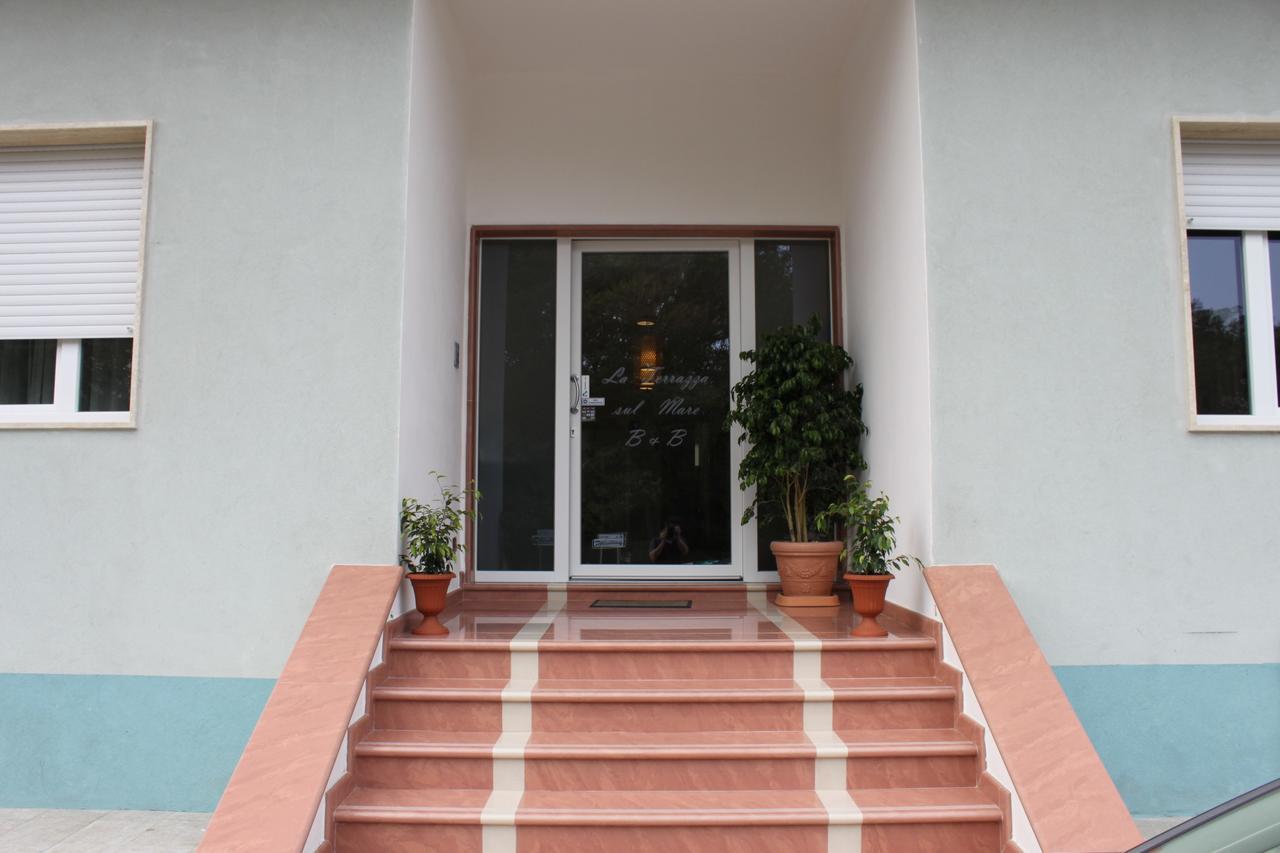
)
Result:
{"points": [[1056, 326], [267, 427]]}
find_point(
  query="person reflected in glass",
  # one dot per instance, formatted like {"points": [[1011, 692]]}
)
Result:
{"points": [[669, 545]]}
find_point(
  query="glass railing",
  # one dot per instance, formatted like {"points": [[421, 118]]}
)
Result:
{"points": [[1250, 823]]}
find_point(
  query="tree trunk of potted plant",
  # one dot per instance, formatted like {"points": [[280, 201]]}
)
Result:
{"points": [[430, 593], [803, 428]]}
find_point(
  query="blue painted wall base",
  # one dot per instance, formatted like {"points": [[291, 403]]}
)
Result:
{"points": [[123, 742], [1178, 740]]}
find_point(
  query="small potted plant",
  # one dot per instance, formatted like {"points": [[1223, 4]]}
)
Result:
{"points": [[869, 530], [803, 429], [431, 536]]}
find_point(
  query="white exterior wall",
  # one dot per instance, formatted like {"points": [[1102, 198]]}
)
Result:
{"points": [[1059, 371], [266, 441], [431, 388], [886, 306], [685, 148]]}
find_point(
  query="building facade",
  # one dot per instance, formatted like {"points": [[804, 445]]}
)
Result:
{"points": [[336, 208]]}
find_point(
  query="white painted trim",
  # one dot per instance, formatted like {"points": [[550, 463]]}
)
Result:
{"points": [[1023, 835]]}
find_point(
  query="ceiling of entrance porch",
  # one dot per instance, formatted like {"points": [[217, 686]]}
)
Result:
{"points": [[773, 37]]}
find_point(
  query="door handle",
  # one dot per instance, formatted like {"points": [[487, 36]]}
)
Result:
{"points": [[575, 393]]}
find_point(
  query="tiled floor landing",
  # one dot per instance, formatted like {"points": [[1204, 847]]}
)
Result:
{"points": [[79, 831]]}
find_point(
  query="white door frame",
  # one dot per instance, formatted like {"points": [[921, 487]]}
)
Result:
{"points": [[742, 324], [734, 570]]}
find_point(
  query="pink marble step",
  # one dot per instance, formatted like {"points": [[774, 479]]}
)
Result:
{"points": [[666, 705], [957, 820], [665, 760], [702, 659]]}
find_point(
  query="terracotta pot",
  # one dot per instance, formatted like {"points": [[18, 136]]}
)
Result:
{"points": [[429, 595], [807, 571], [868, 602]]}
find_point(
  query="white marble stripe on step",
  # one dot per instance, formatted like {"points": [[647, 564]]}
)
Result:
{"points": [[498, 819], [830, 779]]}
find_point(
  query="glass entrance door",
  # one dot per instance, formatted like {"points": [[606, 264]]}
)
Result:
{"points": [[655, 337]]}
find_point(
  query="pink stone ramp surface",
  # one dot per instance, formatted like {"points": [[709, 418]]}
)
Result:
{"points": [[277, 787], [1071, 802]]}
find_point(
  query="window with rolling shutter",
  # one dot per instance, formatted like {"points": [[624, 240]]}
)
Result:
{"points": [[71, 222], [1231, 201]]}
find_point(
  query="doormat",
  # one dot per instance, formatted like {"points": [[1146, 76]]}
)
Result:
{"points": [[656, 603]]}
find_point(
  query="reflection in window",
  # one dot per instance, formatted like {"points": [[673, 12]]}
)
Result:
{"points": [[515, 466], [793, 283], [1218, 323], [26, 372], [105, 366]]}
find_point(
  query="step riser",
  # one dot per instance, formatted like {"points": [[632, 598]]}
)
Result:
{"points": [[368, 837], [673, 774], [924, 771], [844, 663], [895, 714], [425, 714], [676, 774], [420, 838], [420, 663], [632, 664], [933, 838], [627, 665]]}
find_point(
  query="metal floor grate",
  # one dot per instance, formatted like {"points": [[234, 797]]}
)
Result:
{"points": [[640, 603]]}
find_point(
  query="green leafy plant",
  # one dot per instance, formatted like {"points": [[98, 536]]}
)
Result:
{"points": [[869, 530], [803, 427], [431, 533]]}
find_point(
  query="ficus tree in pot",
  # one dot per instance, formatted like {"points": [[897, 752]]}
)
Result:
{"points": [[802, 428], [870, 541], [431, 536]]}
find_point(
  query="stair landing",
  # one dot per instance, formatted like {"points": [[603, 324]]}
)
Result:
{"points": [[542, 723]]}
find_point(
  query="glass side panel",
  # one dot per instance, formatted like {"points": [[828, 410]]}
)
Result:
{"points": [[26, 372], [105, 367], [1273, 244], [1218, 323], [655, 450], [516, 384], [793, 283]]}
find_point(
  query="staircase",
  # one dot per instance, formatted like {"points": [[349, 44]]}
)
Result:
{"points": [[542, 724]]}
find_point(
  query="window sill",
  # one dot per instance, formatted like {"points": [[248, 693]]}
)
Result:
{"points": [[67, 420], [1235, 423]]}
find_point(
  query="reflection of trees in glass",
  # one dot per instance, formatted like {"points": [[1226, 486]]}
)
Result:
{"points": [[1221, 359], [516, 385], [681, 299]]}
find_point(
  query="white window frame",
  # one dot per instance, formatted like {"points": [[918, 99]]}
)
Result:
{"points": [[1256, 271], [64, 412]]}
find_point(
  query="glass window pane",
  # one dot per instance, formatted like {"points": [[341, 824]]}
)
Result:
{"points": [[1218, 324], [656, 482], [1274, 245], [516, 384], [26, 372], [105, 368], [793, 283]]}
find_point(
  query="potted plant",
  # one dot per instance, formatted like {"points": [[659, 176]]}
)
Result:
{"points": [[869, 530], [802, 428], [430, 535]]}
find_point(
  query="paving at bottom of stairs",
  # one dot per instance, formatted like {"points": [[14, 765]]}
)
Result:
{"points": [[83, 831]]}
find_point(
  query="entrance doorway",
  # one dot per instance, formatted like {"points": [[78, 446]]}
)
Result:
{"points": [[600, 388]]}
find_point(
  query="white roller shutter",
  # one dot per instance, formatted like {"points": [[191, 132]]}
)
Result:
{"points": [[1231, 185], [70, 220]]}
